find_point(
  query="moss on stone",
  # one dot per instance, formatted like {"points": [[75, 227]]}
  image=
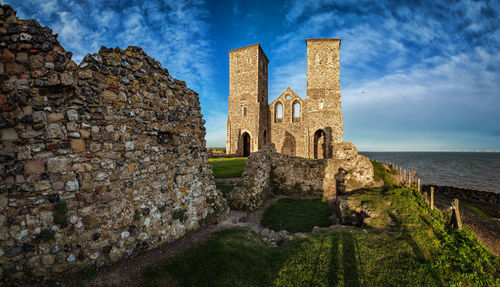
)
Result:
{"points": [[60, 211], [47, 235], [179, 214]]}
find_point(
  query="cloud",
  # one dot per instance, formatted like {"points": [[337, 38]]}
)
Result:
{"points": [[430, 69], [174, 32], [431, 66]]}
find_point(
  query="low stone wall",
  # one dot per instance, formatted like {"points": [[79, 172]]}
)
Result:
{"points": [[255, 184], [97, 161], [465, 193], [269, 172]]}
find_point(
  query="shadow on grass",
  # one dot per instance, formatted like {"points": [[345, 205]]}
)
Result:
{"points": [[343, 244], [349, 263], [333, 275]]}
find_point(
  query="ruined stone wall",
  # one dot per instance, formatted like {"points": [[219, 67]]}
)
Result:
{"points": [[270, 172], [320, 112], [289, 134], [98, 161]]}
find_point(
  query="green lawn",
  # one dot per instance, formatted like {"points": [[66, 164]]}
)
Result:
{"points": [[223, 149], [379, 173], [224, 188], [228, 167], [297, 215], [414, 248]]}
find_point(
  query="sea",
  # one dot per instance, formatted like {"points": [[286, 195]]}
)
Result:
{"points": [[473, 170]]}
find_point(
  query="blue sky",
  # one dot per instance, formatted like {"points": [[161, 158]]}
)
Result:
{"points": [[423, 75]]}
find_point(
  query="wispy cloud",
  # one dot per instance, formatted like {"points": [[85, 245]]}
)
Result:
{"points": [[405, 69], [431, 66], [175, 32]]}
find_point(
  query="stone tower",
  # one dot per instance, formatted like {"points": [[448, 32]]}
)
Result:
{"points": [[323, 106], [248, 118], [307, 128]]}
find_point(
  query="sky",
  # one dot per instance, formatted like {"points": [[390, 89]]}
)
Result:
{"points": [[415, 75]]}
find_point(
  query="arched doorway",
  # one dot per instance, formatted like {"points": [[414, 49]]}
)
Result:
{"points": [[246, 144], [319, 144], [289, 145]]}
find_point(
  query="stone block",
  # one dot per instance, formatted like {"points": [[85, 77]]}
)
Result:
{"points": [[57, 164], [34, 167], [7, 55], [55, 117], [55, 131], [21, 57], [78, 145], [9, 134], [72, 185]]}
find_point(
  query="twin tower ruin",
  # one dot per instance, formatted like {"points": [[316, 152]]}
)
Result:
{"points": [[306, 128]]}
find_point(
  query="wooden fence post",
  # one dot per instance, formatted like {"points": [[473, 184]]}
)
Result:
{"points": [[418, 184], [432, 197], [456, 221]]}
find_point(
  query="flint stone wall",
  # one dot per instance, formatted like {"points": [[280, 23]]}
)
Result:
{"points": [[269, 172], [98, 161]]}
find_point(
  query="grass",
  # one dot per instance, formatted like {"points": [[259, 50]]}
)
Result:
{"points": [[228, 167], [232, 257], [297, 215], [60, 210], [223, 149], [413, 247], [379, 173], [47, 235], [224, 188]]}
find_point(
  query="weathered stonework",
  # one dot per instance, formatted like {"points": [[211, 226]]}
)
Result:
{"points": [[98, 161], [269, 172], [307, 128]]}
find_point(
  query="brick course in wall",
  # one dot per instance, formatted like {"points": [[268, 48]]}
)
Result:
{"points": [[98, 160]]}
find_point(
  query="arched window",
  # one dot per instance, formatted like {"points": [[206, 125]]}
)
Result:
{"points": [[278, 112], [329, 56], [316, 59], [319, 144], [246, 144], [296, 112], [244, 111]]}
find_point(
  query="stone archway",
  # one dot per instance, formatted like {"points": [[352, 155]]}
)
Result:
{"points": [[289, 145], [319, 144], [246, 144]]}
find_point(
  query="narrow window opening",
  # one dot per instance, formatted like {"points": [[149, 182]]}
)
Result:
{"points": [[296, 112], [278, 113]]}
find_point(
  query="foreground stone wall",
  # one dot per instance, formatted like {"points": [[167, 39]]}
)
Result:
{"points": [[97, 161], [269, 172]]}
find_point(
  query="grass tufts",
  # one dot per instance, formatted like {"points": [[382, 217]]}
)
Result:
{"points": [[228, 167], [60, 210], [297, 215]]}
